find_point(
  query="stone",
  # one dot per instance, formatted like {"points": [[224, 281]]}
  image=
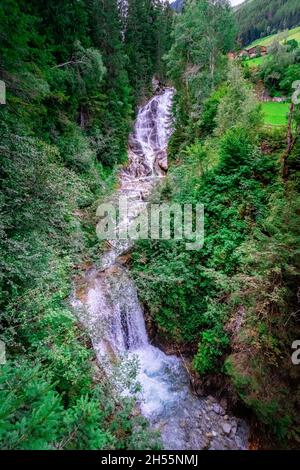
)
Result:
{"points": [[155, 85], [239, 442], [233, 429], [216, 445], [163, 164], [218, 409], [231, 445], [223, 403], [226, 428]]}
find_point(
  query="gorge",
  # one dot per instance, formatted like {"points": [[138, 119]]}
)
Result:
{"points": [[113, 316]]}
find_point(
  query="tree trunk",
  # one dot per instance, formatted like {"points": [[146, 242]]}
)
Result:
{"points": [[290, 143]]}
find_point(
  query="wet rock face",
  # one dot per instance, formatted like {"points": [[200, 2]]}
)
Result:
{"points": [[162, 160], [157, 86], [148, 141]]}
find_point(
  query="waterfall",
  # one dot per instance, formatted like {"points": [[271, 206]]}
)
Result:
{"points": [[113, 316], [151, 134]]}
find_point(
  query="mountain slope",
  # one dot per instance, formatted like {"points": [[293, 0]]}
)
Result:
{"points": [[286, 35], [177, 5], [259, 18]]}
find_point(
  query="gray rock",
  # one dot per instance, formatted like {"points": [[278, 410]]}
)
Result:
{"points": [[216, 445], [218, 409], [231, 445], [233, 429], [223, 403], [163, 164], [239, 442], [226, 428]]}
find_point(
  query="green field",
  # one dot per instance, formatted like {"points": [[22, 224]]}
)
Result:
{"points": [[282, 36], [256, 62], [275, 114]]}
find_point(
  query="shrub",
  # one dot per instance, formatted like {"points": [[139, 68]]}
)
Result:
{"points": [[211, 347]]}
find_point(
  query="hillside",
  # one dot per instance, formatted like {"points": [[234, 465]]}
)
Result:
{"points": [[259, 18], [288, 34]]}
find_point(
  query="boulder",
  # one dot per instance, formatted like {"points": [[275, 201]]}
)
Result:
{"points": [[163, 164], [218, 409], [226, 427]]}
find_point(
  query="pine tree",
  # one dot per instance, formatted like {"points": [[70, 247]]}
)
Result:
{"points": [[147, 38]]}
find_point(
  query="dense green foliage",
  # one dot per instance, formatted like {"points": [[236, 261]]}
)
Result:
{"points": [[281, 68], [147, 39], [71, 93], [201, 36], [259, 18]]}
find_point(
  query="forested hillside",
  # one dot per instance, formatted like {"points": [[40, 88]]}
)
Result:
{"points": [[259, 18]]}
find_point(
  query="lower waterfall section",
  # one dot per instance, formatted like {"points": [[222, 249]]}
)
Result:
{"points": [[114, 318]]}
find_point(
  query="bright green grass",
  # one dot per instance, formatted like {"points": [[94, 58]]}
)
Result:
{"points": [[275, 114], [255, 62], [282, 36]]}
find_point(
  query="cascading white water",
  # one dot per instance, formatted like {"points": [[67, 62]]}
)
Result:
{"points": [[113, 316]]}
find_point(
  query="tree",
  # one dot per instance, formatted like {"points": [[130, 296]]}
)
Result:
{"points": [[196, 63], [202, 33], [293, 131], [239, 106], [260, 18], [146, 40]]}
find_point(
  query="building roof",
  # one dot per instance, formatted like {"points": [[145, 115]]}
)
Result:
{"points": [[254, 48]]}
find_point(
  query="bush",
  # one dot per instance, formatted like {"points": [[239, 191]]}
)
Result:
{"points": [[30, 408], [236, 150], [212, 346]]}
